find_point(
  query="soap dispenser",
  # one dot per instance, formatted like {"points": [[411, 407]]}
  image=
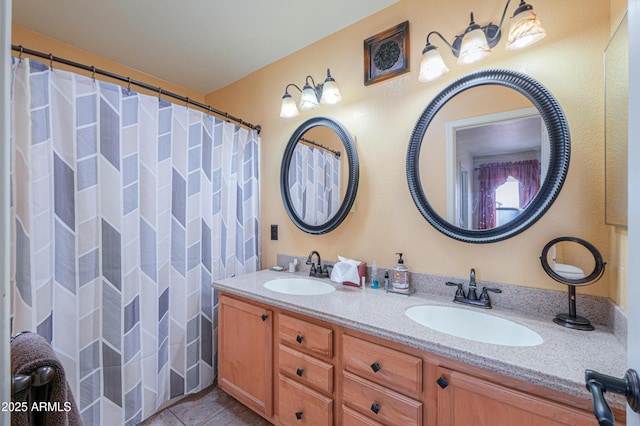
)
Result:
{"points": [[400, 281]]}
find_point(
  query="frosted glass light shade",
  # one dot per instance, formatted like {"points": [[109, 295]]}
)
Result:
{"points": [[474, 47], [288, 108], [330, 92], [308, 98], [525, 30], [432, 65]]}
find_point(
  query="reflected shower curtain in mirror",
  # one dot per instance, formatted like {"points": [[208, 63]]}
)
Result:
{"points": [[314, 184], [125, 207], [492, 175]]}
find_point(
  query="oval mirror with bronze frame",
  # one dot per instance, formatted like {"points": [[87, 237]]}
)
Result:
{"points": [[325, 138], [553, 173], [568, 260]]}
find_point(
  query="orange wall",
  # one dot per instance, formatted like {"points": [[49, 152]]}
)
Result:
{"points": [[382, 116]]}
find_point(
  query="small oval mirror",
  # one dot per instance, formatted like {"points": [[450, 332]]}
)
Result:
{"points": [[574, 262], [571, 260], [318, 157]]}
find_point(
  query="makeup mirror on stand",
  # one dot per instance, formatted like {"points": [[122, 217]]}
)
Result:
{"points": [[568, 260]]}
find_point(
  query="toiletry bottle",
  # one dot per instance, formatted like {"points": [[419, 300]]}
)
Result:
{"points": [[400, 281], [387, 285], [374, 275]]}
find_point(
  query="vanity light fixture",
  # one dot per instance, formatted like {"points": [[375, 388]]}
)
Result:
{"points": [[311, 95], [476, 41]]}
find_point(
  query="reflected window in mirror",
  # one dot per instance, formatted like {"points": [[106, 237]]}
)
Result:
{"points": [[483, 151]]}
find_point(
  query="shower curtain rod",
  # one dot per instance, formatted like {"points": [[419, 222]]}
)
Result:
{"points": [[319, 145], [129, 81]]}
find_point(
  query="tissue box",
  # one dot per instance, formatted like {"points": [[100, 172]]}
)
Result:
{"points": [[362, 272]]}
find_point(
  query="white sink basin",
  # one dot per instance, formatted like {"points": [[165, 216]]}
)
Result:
{"points": [[472, 325], [299, 286]]}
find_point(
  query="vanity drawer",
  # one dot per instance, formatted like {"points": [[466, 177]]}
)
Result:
{"points": [[353, 418], [379, 403], [305, 336], [306, 369], [388, 367], [299, 405]]}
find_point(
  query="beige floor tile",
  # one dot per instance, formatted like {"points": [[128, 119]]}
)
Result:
{"points": [[237, 414], [163, 418], [201, 407]]}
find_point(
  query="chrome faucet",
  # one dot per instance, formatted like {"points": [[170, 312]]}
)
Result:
{"points": [[471, 298], [317, 271]]}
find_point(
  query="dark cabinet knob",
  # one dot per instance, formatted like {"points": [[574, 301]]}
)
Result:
{"points": [[264, 317], [375, 367], [299, 339], [299, 415], [442, 382], [299, 372], [375, 408]]}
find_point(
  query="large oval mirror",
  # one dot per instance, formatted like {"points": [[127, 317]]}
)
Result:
{"points": [[319, 175], [488, 156]]}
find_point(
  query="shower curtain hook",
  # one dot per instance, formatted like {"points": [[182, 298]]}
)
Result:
{"points": [[93, 73], [20, 55], [50, 62], [128, 85], [159, 93], [187, 104]]}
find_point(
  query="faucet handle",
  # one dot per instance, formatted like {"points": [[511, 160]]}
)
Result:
{"points": [[484, 296], [459, 291]]}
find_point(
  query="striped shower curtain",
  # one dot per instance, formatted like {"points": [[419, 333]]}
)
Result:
{"points": [[125, 207]]}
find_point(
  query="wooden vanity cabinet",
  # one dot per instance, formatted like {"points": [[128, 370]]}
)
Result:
{"points": [[463, 400], [245, 353], [295, 370]]}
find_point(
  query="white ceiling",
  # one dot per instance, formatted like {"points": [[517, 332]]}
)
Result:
{"points": [[201, 45]]}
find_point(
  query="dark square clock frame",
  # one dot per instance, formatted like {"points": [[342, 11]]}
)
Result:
{"points": [[386, 54]]}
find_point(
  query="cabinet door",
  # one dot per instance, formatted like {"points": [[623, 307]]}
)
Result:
{"points": [[466, 400], [245, 354]]}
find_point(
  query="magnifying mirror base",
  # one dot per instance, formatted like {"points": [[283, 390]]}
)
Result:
{"points": [[574, 322]]}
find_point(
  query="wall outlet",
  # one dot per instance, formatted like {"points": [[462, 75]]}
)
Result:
{"points": [[274, 232]]}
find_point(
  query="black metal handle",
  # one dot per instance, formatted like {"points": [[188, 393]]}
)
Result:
{"points": [[299, 338], [599, 383], [375, 408], [299, 415], [601, 409], [264, 317], [459, 291], [493, 290], [442, 382], [375, 367], [299, 371]]}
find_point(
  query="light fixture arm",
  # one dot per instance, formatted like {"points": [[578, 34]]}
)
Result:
{"points": [[286, 89], [441, 38]]}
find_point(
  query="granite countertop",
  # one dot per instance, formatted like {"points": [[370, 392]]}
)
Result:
{"points": [[558, 363]]}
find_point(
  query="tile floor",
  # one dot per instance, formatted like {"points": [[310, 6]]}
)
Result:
{"points": [[209, 407]]}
